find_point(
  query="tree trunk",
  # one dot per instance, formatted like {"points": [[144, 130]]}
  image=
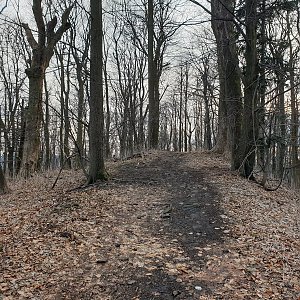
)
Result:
{"points": [[31, 149], [80, 114], [207, 123], [250, 121], [42, 51], [180, 140], [186, 108], [229, 75], [263, 156], [22, 137], [3, 184], [96, 125], [46, 127], [295, 168], [153, 118], [281, 150], [107, 119]]}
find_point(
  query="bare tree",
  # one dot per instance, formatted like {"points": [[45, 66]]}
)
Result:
{"points": [[158, 18], [3, 183], [42, 52], [230, 105]]}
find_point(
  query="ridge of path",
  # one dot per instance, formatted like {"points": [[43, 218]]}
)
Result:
{"points": [[177, 214]]}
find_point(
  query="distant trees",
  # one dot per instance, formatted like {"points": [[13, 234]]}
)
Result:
{"points": [[158, 19], [12, 106]]}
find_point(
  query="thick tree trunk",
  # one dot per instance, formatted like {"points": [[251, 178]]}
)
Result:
{"points": [[42, 51], [262, 151], [3, 184], [221, 143], [96, 125], [31, 149], [250, 118], [229, 75]]}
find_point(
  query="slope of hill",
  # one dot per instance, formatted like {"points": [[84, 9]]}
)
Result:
{"points": [[166, 226]]}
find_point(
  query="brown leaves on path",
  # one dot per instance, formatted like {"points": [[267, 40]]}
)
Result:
{"points": [[167, 226]]}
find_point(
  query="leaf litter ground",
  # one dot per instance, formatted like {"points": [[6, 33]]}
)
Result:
{"points": [[166, 226]]}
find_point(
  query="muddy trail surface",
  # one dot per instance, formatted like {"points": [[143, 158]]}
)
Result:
{"points": [[165, 226]]}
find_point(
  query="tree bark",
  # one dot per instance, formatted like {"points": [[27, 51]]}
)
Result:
{"points": [[250, 118], [46, 127], [207, 125], [230, 81], [31, 148], [42, 51], [96, 125], [153, 118], [3, 184], [295, 168]]}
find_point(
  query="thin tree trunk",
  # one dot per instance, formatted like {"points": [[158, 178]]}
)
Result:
{"points": [[207, 128], [282, 126], [186, 108], [153, 123], [107, 123], [46, 127]]}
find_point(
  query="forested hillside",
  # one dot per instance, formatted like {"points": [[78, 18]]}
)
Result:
{"points": [[82, 82], [166, 226]]}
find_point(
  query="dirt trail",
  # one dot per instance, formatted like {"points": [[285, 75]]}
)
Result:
{"points": [[166, 226], [178, 210]]}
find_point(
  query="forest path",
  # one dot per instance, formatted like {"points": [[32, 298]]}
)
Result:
{"points": [[176, 213], [166, 226]]}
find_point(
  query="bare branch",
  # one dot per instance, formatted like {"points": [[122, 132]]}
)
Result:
{"points": [[51, 25], [56, 36], [38, 16], [30, 38], [5, 5], [64, 26]]}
